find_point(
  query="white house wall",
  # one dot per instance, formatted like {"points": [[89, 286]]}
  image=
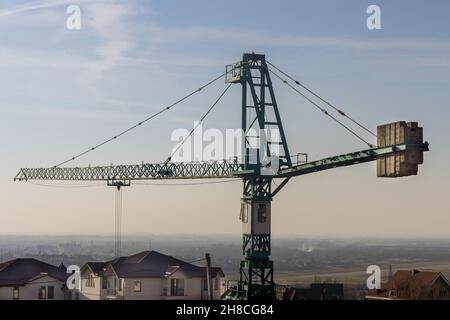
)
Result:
{"points": [[31, 290], [92, 293], [151, 289]]}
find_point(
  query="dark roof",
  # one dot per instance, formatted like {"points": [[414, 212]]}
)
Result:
{"points": [[152, 264], [97, 267], [317, 291], [21, 271]]}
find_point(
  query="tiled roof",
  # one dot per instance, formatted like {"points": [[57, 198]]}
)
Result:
{"points": [[412, 281], [414, 278], [151, 264], [21, 271], [155, 264], [97, 267]]}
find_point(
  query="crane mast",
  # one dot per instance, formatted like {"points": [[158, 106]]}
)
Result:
{"points": [[260, 119]]}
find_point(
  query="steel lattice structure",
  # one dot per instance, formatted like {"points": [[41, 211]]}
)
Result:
{"points": [[190, 170]]}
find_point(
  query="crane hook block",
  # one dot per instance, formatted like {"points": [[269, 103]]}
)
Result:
{"points": [[405, 162]]}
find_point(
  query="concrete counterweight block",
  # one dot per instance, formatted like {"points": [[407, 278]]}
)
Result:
{"points": [[402, 163]]}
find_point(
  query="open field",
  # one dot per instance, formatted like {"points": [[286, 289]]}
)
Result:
{"points": [[355, 276]]}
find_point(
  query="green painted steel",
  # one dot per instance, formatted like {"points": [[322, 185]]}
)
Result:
{"points": [[348, 159], [203, 170], [146, 171]]}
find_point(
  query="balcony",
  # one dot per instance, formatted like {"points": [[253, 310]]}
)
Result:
{"points": [[113, 294], [176, 294]]}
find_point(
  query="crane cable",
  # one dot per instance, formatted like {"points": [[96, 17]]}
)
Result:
{"points": [[342, 113], [65, 186], [201, 120], [167, 108], [322, 109]]}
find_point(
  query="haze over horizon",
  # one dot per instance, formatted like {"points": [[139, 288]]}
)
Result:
{"points": [[65, 90]]}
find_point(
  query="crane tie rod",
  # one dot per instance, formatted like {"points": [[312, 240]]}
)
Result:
{"points": [[201, 120], [321, 109], [342, 113], [167, 108]]}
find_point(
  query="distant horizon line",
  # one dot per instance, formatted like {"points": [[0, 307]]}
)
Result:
{"points": [[225, 235]]}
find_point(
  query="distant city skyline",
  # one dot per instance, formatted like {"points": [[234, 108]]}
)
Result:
{"points": [[66, 90]]}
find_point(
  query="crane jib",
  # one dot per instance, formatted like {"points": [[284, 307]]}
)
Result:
{"points": [[203, 170]]}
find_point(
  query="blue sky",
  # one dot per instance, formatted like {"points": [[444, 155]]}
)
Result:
{"points": [[64, 90]]}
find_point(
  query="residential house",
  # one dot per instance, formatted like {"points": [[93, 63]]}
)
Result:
{"points": [[93, 286], [31, 279], [413, 285], [148, 275]]}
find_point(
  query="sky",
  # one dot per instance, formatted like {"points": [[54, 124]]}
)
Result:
{"points": [[64, 90]]}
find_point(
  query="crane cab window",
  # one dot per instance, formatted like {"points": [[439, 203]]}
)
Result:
{"points": [[262, 213], [244, 212]]}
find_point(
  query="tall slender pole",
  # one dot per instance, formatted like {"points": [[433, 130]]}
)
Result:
{"points": [[208, 276], [118, 223]]}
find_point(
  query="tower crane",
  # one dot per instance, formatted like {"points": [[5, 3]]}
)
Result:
{"points": [[398, 153]]}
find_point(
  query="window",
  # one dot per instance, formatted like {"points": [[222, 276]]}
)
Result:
{"points": [[137, 285], [244, 212], [120, 284], [16, 293], [177, 287], [51, 292], [90, 282], [262, 213], [42, 293], [216, 283], [104, 283]]}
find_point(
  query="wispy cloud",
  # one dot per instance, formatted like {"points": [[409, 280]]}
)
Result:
{"points": [[34, 5], [258, 38], [104, 20], [111, 24], [12, 57], [66, 112], [108, 21], [418, 61]]}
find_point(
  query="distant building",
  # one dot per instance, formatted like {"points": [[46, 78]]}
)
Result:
{"points": [[316, 291], [413, 285], [148, 275], [31, 279]]}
